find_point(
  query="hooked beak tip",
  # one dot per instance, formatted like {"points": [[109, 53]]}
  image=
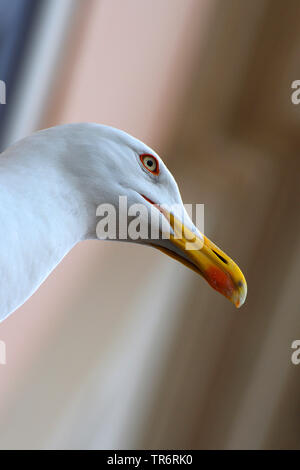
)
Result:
{"points": [[223, 282]]}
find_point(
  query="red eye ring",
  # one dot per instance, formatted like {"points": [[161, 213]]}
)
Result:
{"points": [[148, 161]]}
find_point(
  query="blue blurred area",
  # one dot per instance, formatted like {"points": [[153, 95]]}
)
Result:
{"points": [[16, 23]]}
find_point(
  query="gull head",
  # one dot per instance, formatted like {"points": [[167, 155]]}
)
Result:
{"points": [[138, 201]]}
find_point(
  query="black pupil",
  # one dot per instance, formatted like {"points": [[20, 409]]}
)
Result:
{"points": [[150, 163]]}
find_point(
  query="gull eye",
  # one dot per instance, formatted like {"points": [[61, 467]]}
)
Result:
{"points": [[150, 163]]}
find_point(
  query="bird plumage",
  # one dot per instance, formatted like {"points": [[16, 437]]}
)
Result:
{"points": [[51, 184]]}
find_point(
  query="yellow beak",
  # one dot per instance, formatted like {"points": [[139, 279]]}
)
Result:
{"points": [[205, 258]]}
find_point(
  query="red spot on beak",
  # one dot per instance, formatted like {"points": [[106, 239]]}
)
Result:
{"points": [[220, 281]]}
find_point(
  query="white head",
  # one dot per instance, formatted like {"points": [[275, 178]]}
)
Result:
{"points": [[106, 163], [124, 166]]}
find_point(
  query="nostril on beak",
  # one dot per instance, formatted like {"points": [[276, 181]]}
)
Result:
{"points": [[220, 257]]}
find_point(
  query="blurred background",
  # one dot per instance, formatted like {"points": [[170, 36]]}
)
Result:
{"points": [[123, 347]]}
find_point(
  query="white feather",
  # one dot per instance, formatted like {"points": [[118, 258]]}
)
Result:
{"points": [[51, 184]]}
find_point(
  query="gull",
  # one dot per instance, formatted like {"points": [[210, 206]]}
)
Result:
{"points": [[52, 183]]}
